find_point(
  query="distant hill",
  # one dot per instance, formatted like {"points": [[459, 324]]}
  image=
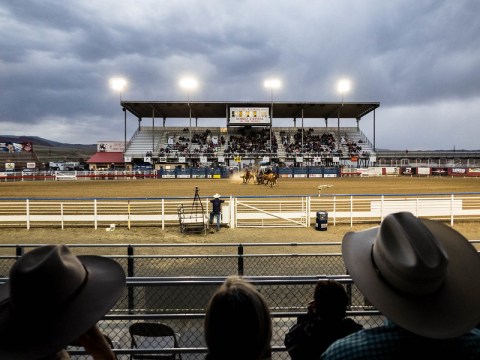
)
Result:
{"points": [[44, 142], [48, 150]]}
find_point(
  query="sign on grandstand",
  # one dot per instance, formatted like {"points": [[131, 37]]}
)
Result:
{"points": [[249, 116], [110, 146]]}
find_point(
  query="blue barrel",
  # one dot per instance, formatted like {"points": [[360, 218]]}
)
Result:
{"points": [[321, 223]]}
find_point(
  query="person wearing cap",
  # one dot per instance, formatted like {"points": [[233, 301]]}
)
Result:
{"points": [[423, 276], [53, 299], [216, 210]]}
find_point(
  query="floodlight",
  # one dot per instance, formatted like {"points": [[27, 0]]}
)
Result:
{"points": [[272, 83], [118, 83], [188, 83], [344, 86]]}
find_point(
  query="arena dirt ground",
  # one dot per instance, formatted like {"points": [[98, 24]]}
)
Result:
{"points": [[226, 187]]}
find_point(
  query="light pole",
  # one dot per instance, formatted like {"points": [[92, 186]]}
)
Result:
{"points": [[271, 84], [189, 84], [119, 84], [343, 87]]}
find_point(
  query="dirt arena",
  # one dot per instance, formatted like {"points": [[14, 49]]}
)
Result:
{"points": [[225, 187]]}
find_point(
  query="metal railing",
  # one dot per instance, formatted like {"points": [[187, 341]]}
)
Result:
{"points": [[174, 288]]}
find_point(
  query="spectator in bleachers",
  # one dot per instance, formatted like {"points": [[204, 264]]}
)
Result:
{"points": [[324, 322], [419, 274], [54, 298], [238, 325]]}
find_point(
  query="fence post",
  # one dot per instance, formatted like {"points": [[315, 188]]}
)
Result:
{"points": [[240, 260], [131, 273], [19, 250]]}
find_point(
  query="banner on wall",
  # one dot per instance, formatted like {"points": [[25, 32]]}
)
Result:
{"points": [[110, 146], [458, 171], [12, 147], [423, 171], [249, 116]]}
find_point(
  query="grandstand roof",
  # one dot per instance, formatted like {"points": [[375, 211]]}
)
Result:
{"points": [[219, 109]]}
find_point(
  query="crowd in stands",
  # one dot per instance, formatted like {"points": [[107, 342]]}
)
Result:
{"points": [[204, 143], [257, 141], [251, 141], [54, 298], [309, 142]]}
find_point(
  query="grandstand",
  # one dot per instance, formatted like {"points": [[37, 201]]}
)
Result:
{"points": [[248, 137]]}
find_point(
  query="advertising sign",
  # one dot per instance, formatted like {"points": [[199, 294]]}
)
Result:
{"points": [[249, 116], [110, 146]]}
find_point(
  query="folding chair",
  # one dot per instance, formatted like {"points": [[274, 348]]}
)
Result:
{"points": [[153, 335]]}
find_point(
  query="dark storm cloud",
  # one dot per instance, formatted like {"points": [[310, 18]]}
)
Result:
{"points": [[415, 57]]}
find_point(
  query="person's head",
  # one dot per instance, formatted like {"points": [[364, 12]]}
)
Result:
{"points": [[238, 323], [52, 297], [420, 273], [216, 196], [330, 300]]}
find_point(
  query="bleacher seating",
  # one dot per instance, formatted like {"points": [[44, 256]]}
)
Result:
{"points": [[214, 141]]}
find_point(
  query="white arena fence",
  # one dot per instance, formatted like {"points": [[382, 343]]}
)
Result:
{"points": [[237, 212]]}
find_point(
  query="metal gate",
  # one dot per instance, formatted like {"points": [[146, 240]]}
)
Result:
{"points": [[279, 212]]}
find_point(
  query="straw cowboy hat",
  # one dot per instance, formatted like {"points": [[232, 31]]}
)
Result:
{"points": [[421, 274], [52, 297], [216, 196]]}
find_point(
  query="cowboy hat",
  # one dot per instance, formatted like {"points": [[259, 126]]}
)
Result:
{"points": [[52, 297], [419, 273], [216, 196]]}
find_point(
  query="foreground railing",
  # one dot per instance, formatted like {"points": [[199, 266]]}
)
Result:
{"points": [[159, 301], [175, 289]]}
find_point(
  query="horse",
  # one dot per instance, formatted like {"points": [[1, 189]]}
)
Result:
{"points": [[248, 176], [270, 179], [260, 178]]}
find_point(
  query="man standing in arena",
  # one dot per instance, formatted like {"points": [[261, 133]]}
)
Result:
{"points": [[216, 210]]}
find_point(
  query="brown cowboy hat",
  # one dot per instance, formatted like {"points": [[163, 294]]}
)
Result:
{"points": [[421, 274], [52, 297]]}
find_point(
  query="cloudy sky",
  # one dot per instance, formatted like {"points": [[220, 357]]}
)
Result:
{"points": [[419, 58]]}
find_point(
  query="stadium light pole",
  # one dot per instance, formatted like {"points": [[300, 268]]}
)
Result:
{"points": [[271, 84], [119, 84], [344, 86], [189, 84]]}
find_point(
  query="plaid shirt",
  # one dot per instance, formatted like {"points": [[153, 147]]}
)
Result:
{"points": [[392, 342]]}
